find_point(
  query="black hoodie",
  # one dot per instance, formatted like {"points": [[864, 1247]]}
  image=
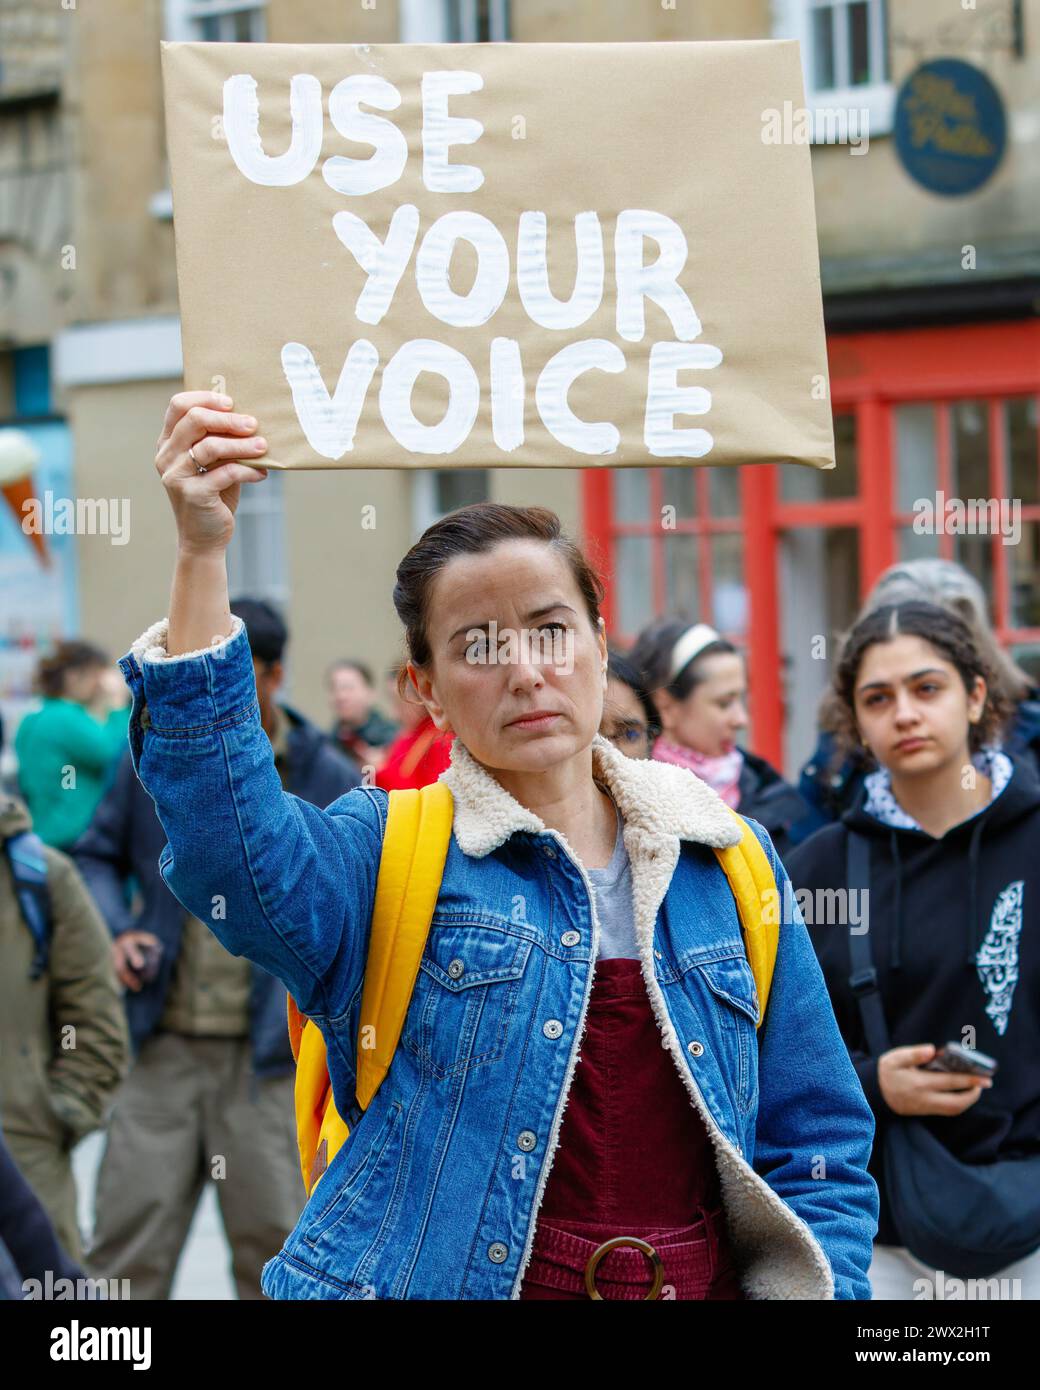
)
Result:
{"points": [[767, 798], [934, 905]]}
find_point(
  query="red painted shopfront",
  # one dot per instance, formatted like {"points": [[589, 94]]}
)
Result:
{"points": [[779, 558]]}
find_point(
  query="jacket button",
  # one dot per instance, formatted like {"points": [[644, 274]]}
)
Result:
{"points": [[526, 1140], [552, 1027], [455, 968], [657, 954], [695, 1048], [549, 852], [571, 938], [497, 1252]]}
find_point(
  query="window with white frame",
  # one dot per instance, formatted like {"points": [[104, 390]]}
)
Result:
{"points": [[212, 21], [479, 21], [847, 42], [437, 491], [454, 21], [216, 21], [257, 565], [844, 47]]}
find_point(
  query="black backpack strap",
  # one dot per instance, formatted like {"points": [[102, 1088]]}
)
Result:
{"points": [[863, 980]]}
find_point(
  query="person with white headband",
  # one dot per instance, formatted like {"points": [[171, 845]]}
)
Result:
{"points": [[697, 681]]}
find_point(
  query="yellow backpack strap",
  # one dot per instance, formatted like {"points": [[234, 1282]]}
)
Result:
{"points": [[415, 846], [753, 886], [312, 1093]]}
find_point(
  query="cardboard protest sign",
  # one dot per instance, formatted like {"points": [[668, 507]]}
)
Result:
{"points": [[553, 255]]}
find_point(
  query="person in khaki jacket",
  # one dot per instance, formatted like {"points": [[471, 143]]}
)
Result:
{"points": [[64, 1046], [210, 1093]]}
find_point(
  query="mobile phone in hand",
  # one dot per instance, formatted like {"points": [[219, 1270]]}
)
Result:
{"points": [[149, 967], [956, 1057]]}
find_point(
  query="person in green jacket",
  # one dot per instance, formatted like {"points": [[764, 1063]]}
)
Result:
{"points": [[68, 747]]}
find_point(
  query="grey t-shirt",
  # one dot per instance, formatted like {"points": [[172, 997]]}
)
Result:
{"points": [[612, 886]]}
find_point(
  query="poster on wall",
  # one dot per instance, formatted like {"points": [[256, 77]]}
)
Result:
{"points": [[500, 255], [37, 562]]}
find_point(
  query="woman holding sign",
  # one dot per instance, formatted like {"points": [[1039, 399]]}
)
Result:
{"points": [[710, 1149]]}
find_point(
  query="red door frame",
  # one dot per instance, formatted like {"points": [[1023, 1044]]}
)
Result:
{"points": [[869, 374]]}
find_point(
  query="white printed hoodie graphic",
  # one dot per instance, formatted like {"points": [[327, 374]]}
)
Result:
{"points": [[997, 959]]}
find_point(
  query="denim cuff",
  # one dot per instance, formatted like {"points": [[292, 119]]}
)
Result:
{"points": [[192, 692], [151, 645]]}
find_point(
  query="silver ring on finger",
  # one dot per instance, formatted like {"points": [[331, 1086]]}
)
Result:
{"points": [[199, 467]]}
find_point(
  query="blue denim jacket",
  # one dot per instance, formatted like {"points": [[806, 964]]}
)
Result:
{"points": [[436, 1194]]}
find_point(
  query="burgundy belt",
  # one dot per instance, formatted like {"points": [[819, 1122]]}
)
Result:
{"points": [[687, 1255]]}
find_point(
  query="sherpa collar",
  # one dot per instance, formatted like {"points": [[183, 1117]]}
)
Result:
{"points": [[655, 799], [661, 804]]}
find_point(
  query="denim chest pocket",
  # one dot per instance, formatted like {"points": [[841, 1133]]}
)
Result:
{"points": [[731, 985], [465, 997]]}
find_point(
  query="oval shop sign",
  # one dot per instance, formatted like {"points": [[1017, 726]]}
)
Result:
{"points": [[950, 127]]}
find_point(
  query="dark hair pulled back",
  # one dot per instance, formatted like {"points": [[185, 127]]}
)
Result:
{"points": [[474, 530]]}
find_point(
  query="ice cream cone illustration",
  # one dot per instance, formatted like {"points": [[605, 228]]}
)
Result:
{"points": [[18, 457]]}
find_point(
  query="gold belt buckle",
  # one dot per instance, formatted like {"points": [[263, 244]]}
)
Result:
{"points": [[606, 1247]]}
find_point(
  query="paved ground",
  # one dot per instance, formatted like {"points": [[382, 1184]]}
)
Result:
{"points": [[205, 1267]]}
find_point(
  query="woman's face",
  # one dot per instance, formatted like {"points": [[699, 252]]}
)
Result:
{"points": [[624, 720], [537, 653], [83, 684], [911, 706], [350, 695], [713, 713]]}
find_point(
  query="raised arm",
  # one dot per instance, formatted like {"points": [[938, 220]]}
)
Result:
{"points": [[277, 880], [198, 457]]}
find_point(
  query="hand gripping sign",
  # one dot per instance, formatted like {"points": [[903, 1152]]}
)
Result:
{"points": [[549, 255]]}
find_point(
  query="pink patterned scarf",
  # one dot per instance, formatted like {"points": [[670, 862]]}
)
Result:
{"points": [[721, 773]]}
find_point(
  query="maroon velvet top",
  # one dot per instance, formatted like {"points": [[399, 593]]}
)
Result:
{"points": [[634, 1158]]}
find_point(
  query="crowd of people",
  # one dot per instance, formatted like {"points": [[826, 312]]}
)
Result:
{"points": [[121, 1009]]}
